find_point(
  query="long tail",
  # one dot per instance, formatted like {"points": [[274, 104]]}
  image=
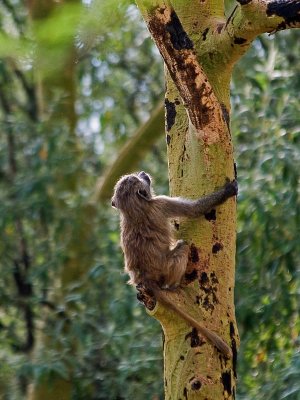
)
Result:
{"points": [[211, 336]]}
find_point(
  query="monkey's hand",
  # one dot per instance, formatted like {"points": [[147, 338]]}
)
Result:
{"points": [[231, 188], [181, 243]]}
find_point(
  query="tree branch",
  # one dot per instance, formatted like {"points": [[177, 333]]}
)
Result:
{"points": [[22, 263], [24, 288], [289, 11], [31, 106], [251, 18], [131, 153]]}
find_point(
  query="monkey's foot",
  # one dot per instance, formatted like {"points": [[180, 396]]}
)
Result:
{"points": [[171, 288], [145, 296]]}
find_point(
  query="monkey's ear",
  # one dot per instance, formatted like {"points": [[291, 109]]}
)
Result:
{"points": [[145, 177], [143, 194]]}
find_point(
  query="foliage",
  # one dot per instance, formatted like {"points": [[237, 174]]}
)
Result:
{"points": [[266, 125], [47, 176], [52, 181]]}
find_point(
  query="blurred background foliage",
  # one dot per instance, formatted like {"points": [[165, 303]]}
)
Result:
{"points": [[76, 81]]}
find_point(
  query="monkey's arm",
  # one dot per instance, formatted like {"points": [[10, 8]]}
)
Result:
{"points": [[179, 207]]}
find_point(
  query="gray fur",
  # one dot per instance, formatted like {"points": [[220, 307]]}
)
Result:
{"points": [[152, 256], [147, 239]]}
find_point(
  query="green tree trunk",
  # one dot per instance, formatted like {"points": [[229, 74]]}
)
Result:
{"points": [[199, 47]]}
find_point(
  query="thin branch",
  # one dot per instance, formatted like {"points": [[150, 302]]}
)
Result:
{"points": [[24, 288], [31, 107], [132, 153]]}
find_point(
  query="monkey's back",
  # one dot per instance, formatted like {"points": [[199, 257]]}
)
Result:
{"points": [[146, 240]]}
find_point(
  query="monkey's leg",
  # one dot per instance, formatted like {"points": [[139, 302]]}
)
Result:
{"points": [[177, 260]]}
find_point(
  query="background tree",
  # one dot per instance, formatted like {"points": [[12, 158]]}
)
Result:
{"points": [[118, 78]]}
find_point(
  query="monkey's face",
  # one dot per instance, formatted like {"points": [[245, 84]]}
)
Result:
{"points": [[131, 190]]}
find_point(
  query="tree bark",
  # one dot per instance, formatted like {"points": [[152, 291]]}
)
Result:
{"points": [[200, 47]]}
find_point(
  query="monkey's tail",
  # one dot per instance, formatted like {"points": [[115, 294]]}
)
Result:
{"points": [[210, 335]]}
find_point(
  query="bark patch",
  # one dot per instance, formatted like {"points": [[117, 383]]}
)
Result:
{"points": [[226, 381], [190, 277], [243, 2], [217, 247], [289, 11], [214, 278], [178, 52], [235, 170], [195, 339], [209, 287], [170, 114], [234, 349], [194, 254], [178, 36], [220, 27], [185, 393], [196, 384], [203, 279], [226, 115], [204, 34], [239, 40]]}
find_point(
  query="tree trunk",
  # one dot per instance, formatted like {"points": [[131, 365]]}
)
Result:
{"points": [[51, 80], [197, 167], [199, 47]]}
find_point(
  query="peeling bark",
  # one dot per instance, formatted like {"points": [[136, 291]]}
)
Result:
{"points": [[178, 52]]}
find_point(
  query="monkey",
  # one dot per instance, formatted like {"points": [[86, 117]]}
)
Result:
{"points": [[152, 258]]}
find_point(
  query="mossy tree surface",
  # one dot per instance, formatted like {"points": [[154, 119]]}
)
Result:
{"points": [[200, 46]]}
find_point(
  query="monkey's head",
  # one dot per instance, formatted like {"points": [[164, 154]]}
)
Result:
{"points": [[132, 191]]}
